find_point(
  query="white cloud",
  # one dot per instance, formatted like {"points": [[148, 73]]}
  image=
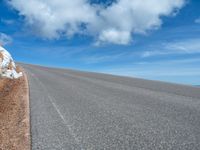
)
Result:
{"points": [[115, 36], [185, 46], [5, 39], [114, 24], [188, 46], [55, 17], [134, 16]]}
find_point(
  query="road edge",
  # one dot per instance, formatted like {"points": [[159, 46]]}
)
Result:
{"points": [[27, 111]]}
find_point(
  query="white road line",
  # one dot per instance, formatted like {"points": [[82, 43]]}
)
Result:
{"points": [[78, 142]]}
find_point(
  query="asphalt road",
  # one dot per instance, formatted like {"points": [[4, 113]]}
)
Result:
{"points": [[80, 110]]}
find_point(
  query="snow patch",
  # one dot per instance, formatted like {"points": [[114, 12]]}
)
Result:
{"points": [[7, 65]]}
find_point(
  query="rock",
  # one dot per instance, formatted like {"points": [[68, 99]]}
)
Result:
{"points": [[7, 65]]}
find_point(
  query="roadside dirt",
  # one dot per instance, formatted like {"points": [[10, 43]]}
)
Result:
{"points": [[14, 114]]}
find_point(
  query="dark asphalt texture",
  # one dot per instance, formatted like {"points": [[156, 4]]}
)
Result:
{"points": [[74, 110]]}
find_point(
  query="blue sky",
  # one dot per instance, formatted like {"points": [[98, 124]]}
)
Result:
{"points": [[153, 41]]}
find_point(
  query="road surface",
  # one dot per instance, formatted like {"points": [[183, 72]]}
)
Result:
{"points": [[80, 110]]}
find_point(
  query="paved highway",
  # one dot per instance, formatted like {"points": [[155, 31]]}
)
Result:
{"points": [[90, 111]]}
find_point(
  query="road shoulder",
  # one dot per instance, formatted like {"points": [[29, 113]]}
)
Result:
{"points": [[14, 114]]}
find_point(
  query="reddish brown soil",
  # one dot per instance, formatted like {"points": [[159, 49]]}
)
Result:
{"points": [[14, 114]]}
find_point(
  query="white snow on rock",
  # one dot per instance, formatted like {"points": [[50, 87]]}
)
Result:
{"points": [[7, 65]]}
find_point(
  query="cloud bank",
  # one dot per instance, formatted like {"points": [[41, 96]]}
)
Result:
{"points": [[117, 23]]}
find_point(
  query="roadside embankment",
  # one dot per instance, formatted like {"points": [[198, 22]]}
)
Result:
{"points": [[14, 113]]}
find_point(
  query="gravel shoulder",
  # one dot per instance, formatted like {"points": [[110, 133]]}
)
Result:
{"points": [[14, 114]]}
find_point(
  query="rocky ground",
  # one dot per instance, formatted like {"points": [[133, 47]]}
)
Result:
{"points": [[14, 114]]}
